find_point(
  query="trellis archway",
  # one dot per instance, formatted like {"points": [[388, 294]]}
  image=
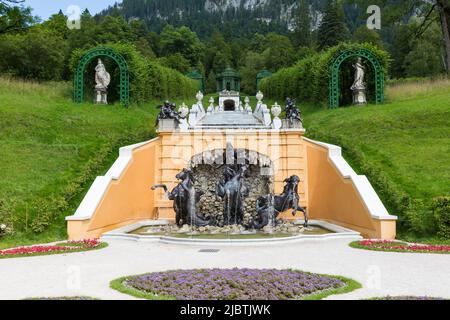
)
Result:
{"points": [[102, 52], [335, 65]]}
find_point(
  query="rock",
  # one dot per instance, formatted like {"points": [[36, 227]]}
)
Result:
{"points": [[184, 229], [202, 229], [292, 229]]}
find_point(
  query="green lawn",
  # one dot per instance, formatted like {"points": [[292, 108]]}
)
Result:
{"points": [[407, 140], [51, 150]]}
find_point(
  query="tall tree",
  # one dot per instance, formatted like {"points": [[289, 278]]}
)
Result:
{"points": [[428, 11], [400, 48], [332, 29], [183, 41], [13, 17], [218, 54], [279, 52], [364, 34], [302, 32]]}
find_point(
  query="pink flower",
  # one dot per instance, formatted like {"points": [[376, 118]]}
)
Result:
{"points": [[73, 245], [395, 245]]}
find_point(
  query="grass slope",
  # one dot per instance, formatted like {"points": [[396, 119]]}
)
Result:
{"points": [[407, 139], [51, 150]]}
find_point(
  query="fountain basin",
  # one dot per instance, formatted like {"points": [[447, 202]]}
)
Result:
{"points": [[164, 232]]}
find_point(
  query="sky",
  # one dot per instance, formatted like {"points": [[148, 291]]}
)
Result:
{"points": [[45, 8]]}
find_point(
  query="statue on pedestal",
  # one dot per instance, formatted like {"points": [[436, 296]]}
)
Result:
{"points": [[359, 87], [293, 117], [168, 112], [102, 81]]}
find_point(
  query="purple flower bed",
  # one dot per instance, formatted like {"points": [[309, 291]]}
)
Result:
{"points": [[233, 284]]}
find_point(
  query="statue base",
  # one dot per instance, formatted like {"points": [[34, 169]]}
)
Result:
{"points": [[101, 96], [291, 124], [359, 97], [167, 125]]}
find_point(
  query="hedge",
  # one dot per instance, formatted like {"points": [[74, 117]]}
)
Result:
{"points": [[308, 79], [148, 79], [441, 210]]}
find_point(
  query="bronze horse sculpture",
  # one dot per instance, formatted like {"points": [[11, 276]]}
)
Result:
{"points": [[270, 206], [233, 191], [185, 199]]}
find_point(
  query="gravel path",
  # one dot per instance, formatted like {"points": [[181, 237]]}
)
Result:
{"points": [[89, 273]]}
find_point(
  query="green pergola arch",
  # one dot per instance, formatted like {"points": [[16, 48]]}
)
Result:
{"points": [[335, 65], [102, 52]]}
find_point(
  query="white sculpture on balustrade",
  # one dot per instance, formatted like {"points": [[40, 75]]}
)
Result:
{"points": [[211, 107], [261, 111], [183, 111], [276, 111], [197, 111], [247, 107]]}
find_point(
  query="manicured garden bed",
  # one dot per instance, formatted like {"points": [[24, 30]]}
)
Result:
{"points": [[62, 298], [398, 246], [233, 284], [64, 247]]}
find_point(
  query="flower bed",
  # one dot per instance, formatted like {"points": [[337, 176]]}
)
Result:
{"points": [[63, 298], [65, 247], [397, 246], [233, 284]]}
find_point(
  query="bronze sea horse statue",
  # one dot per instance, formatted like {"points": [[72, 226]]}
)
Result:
{"points": [[185, 199], [270, 206]]}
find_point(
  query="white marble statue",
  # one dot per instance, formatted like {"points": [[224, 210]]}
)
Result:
{"points": [[102, 81], [276, 111], [184, 111], [360, 71], [359, 86]]}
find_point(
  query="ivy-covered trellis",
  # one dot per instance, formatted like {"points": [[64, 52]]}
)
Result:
{"points": [[102, 52], [335, 66]]}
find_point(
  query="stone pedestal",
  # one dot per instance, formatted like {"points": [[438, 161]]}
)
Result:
{"points": [[359, 97], [101, 96], [292, 124], [167, 125]]}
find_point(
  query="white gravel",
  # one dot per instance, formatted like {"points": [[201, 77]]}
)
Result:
{"points": [[89, 273]]}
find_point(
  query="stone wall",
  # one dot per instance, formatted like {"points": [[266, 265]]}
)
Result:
{"points": [[207, 177]]}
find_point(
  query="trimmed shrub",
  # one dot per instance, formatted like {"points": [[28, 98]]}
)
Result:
{"points": [[308, 79], [5, 218], [148, 79], [441, 210]]}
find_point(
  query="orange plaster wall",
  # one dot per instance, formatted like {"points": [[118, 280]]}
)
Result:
{"points": [[126, 200], [326, 194], [335, 199], [285, 149]]}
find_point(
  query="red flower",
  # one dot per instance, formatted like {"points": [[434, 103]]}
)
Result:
{"points": [[74, 245], [394, 245]]}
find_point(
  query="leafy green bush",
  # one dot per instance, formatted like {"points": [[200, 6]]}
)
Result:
{"points": [[148, 79], [36, 54], [4, 220], [441, 210], [308, 79]]}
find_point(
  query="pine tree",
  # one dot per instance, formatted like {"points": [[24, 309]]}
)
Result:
{"points": [[302, 33], [211, 84], [332, 30]]}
